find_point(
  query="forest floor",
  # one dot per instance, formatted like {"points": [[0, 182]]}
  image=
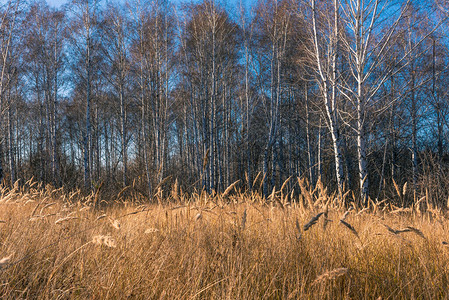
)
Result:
{"points": [[59, 246]]}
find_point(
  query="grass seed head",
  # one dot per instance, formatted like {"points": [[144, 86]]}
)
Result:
{"points": [[198, 216], [229, 189], [100, 217], [243, 223], [63, 220], [5, 260], [416, 231], [330, 275], [298, 228], [346, 213], [106, 240], [115, 223], [350, 227], [312, 221]]}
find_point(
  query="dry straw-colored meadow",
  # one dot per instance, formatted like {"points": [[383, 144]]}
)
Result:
{"points": [[57, 245]]}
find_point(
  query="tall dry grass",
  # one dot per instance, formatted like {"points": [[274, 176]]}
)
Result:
{"points": [[59, 246]]}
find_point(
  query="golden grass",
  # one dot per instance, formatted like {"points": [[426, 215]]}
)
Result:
{"points": [[61, 247]]}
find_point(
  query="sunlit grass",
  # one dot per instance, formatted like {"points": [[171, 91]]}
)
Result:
{"points": [[57, 246]]}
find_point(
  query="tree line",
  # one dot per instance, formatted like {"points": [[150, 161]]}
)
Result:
{"points": [[351, 93]]}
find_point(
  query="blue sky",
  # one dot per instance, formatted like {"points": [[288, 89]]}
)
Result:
{"points": [[56, 3]]}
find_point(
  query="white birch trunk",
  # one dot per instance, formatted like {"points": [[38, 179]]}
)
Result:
{"points": [[87, 133], [328, 81], [5, 51]]}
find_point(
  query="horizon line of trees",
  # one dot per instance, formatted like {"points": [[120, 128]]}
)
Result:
{"points": [[349, 92]]}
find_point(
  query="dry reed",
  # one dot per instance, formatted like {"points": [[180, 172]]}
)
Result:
{"points": [[312, 221], [205, 248], [330, 275], [5, 260], [106, 240]]}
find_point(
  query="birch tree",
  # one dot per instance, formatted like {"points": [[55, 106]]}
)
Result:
{"points": [[273, 21], [371, 30], [45, 63], [417, 75], [139, 16], [9, 25], [116, 50], [325, 49], [211, 53], [84, 44], [248, 36]]}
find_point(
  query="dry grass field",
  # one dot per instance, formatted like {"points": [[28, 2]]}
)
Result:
{"points": [[57, 245]]}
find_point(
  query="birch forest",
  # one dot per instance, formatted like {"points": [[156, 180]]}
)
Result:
{"points": [[145, 93]]}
